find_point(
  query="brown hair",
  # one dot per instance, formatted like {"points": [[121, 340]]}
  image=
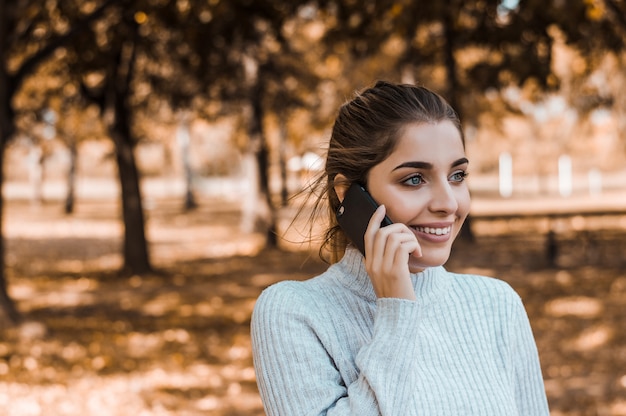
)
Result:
{"points": [[365, 133]]}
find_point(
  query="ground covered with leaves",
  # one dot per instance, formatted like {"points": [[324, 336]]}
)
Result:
{"points": [[176, 341]]}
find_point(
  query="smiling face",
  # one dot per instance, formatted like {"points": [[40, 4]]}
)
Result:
{"points": [[422, 184]]}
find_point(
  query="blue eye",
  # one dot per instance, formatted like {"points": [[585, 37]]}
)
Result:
{"points": [[414, 180], [458, 176]]}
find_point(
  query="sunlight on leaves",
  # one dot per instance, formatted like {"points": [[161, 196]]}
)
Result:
{"points": [[618, 408], [73, 352], [176, 335], [593, 338], [580, 306], [208, 403], [162, 304], [141, 345], [238, 352], [4, 368]]}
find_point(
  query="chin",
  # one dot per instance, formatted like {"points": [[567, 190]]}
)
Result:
{"points": [[419, 264]]}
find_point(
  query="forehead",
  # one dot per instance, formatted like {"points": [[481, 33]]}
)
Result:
{"points": [[429, 142]]}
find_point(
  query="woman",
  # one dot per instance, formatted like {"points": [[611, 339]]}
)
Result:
{"points": [[393, 332]]}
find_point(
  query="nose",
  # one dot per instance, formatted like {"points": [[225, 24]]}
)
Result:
{"points": [[444, 199]]}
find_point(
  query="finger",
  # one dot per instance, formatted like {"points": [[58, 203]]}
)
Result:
{"points": [[399, 243], [385, 242], [376, 219], [412, 248], [408, 245], [411, 245], [373, 227]]}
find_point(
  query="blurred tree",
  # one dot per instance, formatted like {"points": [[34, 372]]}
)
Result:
{"points": [[270, 94], [465, 48], [28, 36], [78, 122], [238, 53], [158, 58], [107, 77], [274, 88], [183, 55], [50, 106]]}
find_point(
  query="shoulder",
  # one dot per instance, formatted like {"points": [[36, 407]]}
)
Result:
{"points": [[295, 294], [485, 288], [292, 311], [283, 294], [489, 298], [280, 296], [291, 298]]}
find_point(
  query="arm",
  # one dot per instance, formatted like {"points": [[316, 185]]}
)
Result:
{"points": [[297, 376], [530, 393]]}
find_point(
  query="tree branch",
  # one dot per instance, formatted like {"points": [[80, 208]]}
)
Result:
{"points": [[617, 13], [28, 66]]}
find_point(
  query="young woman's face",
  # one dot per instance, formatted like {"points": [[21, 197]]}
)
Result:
{"points": [[422, 184]]}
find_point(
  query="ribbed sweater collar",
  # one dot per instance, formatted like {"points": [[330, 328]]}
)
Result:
{"points": [[352, 274]]}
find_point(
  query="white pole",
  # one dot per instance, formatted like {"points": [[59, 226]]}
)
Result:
{"points": [[565, 175], [506, 175], [595, 182]]}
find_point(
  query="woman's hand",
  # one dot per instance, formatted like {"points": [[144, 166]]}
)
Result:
{"points": [[387, 252]]}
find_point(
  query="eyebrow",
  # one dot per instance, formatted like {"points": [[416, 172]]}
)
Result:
{"points": [[426, 165]]}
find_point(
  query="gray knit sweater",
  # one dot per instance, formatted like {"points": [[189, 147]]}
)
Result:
{"points": [[328, 346]]}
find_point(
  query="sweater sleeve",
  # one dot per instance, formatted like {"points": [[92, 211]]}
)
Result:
{"points": [[297, 376], [530, 394]]}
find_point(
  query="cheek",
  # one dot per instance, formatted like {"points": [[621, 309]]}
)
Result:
{"points": [[405, 207], [464, 202]]}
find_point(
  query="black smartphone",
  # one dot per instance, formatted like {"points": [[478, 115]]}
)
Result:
{"points": [[354, 213]]}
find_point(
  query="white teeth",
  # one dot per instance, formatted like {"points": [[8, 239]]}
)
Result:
{"points": [[435, 231]]}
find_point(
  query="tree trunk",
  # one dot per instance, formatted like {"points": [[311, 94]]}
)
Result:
{"points": [[136, 259], [184, 140], [71, 180], [259, 144], [6, 303], [6, 131], [282, 162], [8, 86]]}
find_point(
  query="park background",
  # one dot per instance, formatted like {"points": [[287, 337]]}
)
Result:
{"points": [[153, 152]]}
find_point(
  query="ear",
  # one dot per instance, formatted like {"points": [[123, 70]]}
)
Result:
{"points": [[341, 185]]}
